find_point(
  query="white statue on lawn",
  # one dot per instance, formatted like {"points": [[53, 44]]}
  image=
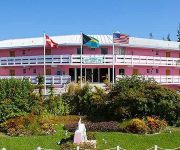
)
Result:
{"points": [[80, 133]]}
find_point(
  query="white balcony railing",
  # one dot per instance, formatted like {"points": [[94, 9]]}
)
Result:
{"points": [[89, 60], [55, 80], [161, 79]]}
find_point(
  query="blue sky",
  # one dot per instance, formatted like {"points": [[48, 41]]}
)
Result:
{"points": [[31, 18]]}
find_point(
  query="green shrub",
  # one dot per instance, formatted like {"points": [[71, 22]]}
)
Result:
{"points": [[16, 98], [136, 97]]}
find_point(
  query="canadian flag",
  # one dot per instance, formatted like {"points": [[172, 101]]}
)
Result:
{"points": [[50, 42]]}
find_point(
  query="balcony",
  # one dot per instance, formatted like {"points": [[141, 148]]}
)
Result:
{"points": [[55, 80], [170, 80], [90, 60]]}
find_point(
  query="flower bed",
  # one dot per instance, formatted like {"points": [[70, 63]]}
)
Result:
{"points": [[111, 126]]}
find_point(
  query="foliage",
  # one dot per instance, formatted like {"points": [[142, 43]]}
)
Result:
{"points": [[55, 104], [151, 35], [150, 125], [78, 98], [134, 96], [99, 126], [28, 125], [178, 33], [168, 37], [155, 125], [16, 98], [136, 126]]}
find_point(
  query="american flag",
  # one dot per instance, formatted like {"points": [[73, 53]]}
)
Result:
{"points": [[120, 38], [50, 42]]}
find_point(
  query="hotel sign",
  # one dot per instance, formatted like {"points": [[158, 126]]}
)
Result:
{"points": [[93, 60]]}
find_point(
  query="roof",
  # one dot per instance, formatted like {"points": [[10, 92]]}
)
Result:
{"points": [[105, 40]]}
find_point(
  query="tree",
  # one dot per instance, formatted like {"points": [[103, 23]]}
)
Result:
{"points": [[151, 35], [135, 96], [168, 37], [178, 33]]}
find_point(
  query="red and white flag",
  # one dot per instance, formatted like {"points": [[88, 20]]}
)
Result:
{"points": [[120, 38], [50, 42]]}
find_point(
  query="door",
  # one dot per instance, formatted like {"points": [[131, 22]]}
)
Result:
{"points": [[88, 74], [48, 71], [12, 53], [168, 72], [12, 72], [168, 54], [121, 72], [103, 74], [135, 71]]}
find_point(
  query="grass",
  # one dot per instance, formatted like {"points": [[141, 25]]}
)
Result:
{"points": [[138, 142], [124, 140], [32, 142]]}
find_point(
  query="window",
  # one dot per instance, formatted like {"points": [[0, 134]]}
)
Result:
{"points": [[79, 51], [120, 50], [121, 72], [48, 71], [12, 72], [148, 70], [168, 72], [23, 52], [157, 52], [34, 70], [92, 49], [135, 71], [157, 70], [168, 54], [59, 72], [104, 51], [24, 71], [12, 53], [48, 51]]}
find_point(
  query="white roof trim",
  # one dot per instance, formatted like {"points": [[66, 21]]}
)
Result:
{"points": [[75, 40]]}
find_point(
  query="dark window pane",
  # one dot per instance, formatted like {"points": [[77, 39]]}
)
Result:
{"points": [[104, 51]]}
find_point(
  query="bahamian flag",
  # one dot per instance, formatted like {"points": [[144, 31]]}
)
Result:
{"points": [[90, 41]]}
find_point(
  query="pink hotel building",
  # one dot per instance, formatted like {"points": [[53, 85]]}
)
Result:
{"points": [[148, 57]]}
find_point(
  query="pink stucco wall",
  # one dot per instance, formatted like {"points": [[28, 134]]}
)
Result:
{"points": [[62, 50], [4, 71]]}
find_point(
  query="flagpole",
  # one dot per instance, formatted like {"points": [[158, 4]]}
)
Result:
{"points": [[81, 59], [44, 64], [113, 64]]}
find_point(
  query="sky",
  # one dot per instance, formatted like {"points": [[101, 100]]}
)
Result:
{"points": [[137, 18]]}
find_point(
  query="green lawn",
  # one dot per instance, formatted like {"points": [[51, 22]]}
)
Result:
{"points": [[138, 142], [127, 141]]}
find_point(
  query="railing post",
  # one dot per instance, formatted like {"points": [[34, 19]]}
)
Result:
{"points": [[118, 148], [61, 79], [52, 80], [77, 148], [155, 147]]}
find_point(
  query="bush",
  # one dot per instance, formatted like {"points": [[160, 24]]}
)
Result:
{"points": [[136, 126], [135, 96], [27, 125], [155, 125], [150, 125], [16, 98], [111, 126]]}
